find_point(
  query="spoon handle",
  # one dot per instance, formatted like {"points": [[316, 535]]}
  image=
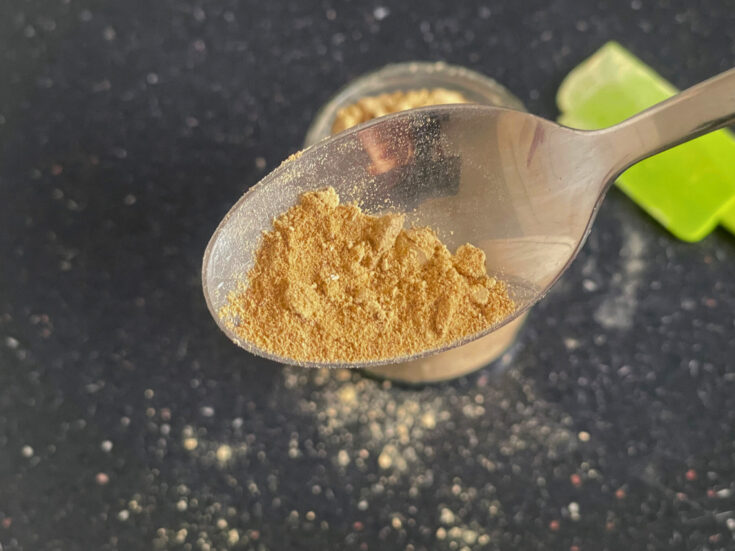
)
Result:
{"points": [[705, 107]]}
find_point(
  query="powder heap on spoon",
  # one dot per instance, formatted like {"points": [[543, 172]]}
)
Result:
{"points": [[331, 283]]}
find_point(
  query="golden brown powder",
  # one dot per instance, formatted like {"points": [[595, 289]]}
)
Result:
{"points": [[370, 107], [333, 284]]}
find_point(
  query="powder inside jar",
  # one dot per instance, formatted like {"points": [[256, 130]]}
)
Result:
{"points": [[331, 283], [370, 107]]}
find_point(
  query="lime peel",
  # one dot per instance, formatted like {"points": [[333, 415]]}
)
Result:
{"points": [[689, 189]]}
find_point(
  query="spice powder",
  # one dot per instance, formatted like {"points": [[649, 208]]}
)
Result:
{"points": [[331, 283], [370, 107]]}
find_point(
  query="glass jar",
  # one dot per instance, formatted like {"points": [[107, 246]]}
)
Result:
{"points": [[476, 88], [412, 75]]}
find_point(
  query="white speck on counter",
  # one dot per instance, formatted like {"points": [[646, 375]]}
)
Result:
{"points": [[343, 458], [571, 344], [380, 13], [590, 285], [446, 516], [223, 453], [233, 536], [109, 34]]}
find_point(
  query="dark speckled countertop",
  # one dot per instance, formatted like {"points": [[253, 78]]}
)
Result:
{"points": [[128, 421]]}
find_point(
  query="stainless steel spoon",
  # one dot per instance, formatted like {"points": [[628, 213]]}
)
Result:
{"points": [[522, 188]]}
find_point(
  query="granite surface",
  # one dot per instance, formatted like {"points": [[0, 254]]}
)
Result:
{"points": [[127, 421]]}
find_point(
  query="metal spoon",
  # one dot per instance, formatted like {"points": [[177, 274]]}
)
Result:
{"points": [[522, 188]]}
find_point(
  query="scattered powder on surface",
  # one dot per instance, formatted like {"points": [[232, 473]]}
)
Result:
{"points": [[618, 309], [331, 283], [370, 107], [502, 433]]}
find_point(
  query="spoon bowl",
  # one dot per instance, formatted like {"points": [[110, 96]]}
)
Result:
{"points": [[523, 189]]}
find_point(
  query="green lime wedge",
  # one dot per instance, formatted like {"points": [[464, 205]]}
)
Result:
{"points": [[688, 189]]}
